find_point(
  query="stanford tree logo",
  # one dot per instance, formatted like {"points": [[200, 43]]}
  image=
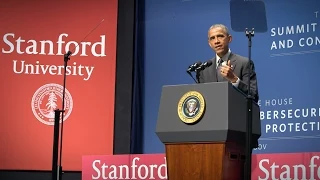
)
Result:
{"points": [[46, 99]]}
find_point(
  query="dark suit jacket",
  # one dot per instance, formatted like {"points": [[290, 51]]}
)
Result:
{"points": [[241, 67]]}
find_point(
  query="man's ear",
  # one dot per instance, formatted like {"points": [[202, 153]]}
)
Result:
{"points": [[209, 43], [230, 38]]}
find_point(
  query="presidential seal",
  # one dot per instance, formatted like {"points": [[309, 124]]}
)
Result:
{"points": [[191, 107], [46, 99]]}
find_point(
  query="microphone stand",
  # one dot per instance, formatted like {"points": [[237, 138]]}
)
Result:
{"points": [[196, 81], [247, 175], [198, 76], [201, 67], [56, 162]]}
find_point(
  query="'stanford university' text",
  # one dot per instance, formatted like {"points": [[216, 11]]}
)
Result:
{"points": [[292, 120], [20, 46], [273, 170], [305, 41]]}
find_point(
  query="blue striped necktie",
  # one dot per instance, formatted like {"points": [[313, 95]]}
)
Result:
{"points": [[219, 76]]}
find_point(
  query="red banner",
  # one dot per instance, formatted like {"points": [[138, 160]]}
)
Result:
{"points": [[132, 166], [34, 37], [153, 166], [286, 166]]}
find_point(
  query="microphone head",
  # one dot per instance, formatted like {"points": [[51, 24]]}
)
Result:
{"points": [[204, 65], [197, 63], [208, 63], [193, 66]]}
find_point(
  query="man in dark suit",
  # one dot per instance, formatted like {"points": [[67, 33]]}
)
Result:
{"points": [[228, 66]]}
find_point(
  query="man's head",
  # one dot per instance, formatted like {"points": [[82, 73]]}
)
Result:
{"points": [[219, 39]]}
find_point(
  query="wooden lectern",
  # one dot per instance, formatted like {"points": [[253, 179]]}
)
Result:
{"points": [[203, 127]]}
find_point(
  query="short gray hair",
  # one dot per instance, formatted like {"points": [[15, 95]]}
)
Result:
{"points": [[220, 26]]}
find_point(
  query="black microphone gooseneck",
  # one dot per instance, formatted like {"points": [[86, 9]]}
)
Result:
{"points": [[202, 67], [247, 175], [57, 133], [196, 81], [193, 68]]}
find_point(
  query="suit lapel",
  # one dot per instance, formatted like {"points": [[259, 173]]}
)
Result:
{"points": [[233, 60], [213, 71]]}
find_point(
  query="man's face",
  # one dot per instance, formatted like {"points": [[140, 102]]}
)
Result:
{"points": [[219, 40]]}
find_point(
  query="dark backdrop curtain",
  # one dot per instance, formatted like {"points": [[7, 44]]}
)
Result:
{"points": [[138, 81]]}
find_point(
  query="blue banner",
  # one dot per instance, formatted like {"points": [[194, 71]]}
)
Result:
{"points": [[286, 58]]}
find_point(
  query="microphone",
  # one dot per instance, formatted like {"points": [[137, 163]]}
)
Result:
{"points": [[203, 66], [193, 67]]}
